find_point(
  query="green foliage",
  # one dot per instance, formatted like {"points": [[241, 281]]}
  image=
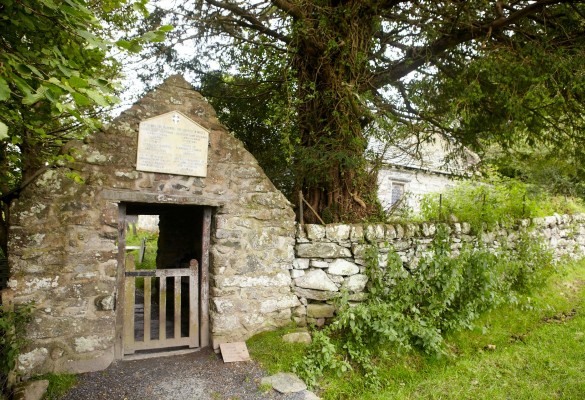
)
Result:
{"points": [[59, 385], [412, 308], [557, 171], [513, 352], [257, 113], [497, 200], [12, 325], [57, 74], [272, 353], [151, 243], [474, 72]]}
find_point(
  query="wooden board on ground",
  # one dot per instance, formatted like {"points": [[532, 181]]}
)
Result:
{"points": [[233, 352]]}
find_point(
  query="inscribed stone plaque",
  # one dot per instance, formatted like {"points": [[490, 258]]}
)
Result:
{"points": [[236, 351], [171, 143]]}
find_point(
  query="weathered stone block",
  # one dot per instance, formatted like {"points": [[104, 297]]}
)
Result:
{"points": [[337, 232], [297, 337], [317, 280], [357, 233], [285, 302], [342, 267], [312, 294], [296, 273], [322, 250], [243, 281], [87, 344], [359, 250], [319, 264], [399, 231], [105, 302], [315, 232], [390, 232], [301, 263], [356, 283], [374, 233], [30, 361], [430, 229], [320, 311]]}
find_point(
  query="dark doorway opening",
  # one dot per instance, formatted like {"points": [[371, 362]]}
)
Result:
{"points": [[165, 297]]}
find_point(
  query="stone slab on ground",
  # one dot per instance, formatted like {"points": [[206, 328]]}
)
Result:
{"points": [[285, 382], [297, 337]]}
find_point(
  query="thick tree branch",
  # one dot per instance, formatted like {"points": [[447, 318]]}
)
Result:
{"points": [[253, 22], [288, 8], [418, 56]]}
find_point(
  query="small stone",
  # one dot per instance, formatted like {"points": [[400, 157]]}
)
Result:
{"points": [[316, 279], [307, 395], [301, 263], [315, 231], [315, 294], [105, 303], [319, 264], [297, 337], [337, 232], [356, 283], [32, 390], [343, 267], [320, 310], [284, 382]]}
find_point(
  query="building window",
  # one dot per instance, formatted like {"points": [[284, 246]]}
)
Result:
{"points": [[397, 192]]}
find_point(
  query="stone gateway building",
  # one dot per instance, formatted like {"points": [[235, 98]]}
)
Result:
{"points": [[226, 242]]}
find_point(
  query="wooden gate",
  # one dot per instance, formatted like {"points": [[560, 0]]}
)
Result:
{"points": [[161, 307]]}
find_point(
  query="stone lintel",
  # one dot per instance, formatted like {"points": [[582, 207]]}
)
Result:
{"points": [[158, 198]]}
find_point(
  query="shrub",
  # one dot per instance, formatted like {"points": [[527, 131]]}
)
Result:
{"points": [[12, 325], [413, 308], [495, 201]]}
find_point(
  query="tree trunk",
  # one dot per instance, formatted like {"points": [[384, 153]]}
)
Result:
{"points": [[331, 65]]}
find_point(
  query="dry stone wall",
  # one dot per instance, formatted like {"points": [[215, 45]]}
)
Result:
{"points": [[330, 259], [63, 234]]}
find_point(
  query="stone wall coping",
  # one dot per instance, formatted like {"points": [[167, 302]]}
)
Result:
{"points": [[425, 228]]}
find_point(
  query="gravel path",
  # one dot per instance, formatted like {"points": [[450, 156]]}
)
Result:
{"points": [[201, 375]]}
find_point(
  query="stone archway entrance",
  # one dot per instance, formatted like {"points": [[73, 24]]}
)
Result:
{"points": [[164, 307]]}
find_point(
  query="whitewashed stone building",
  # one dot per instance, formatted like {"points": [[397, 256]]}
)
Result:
{"points": [[413, 169]]}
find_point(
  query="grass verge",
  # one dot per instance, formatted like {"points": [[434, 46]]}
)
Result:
{"points": [[59, 385], [534, 350]]}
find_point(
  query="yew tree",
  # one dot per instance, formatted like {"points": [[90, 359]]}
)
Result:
{"points": [[475, 71]]}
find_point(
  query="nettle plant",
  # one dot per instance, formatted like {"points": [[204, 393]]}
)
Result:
{"points": [[413, 308], [12, 325]]}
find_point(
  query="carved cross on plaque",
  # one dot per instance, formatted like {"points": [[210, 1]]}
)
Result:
{"points": [[176, 118]]}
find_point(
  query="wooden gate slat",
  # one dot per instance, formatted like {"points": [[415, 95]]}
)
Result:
{"points": [[162, 310], [147, 308], [129, 300], [193, 305], [177, 319]]}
